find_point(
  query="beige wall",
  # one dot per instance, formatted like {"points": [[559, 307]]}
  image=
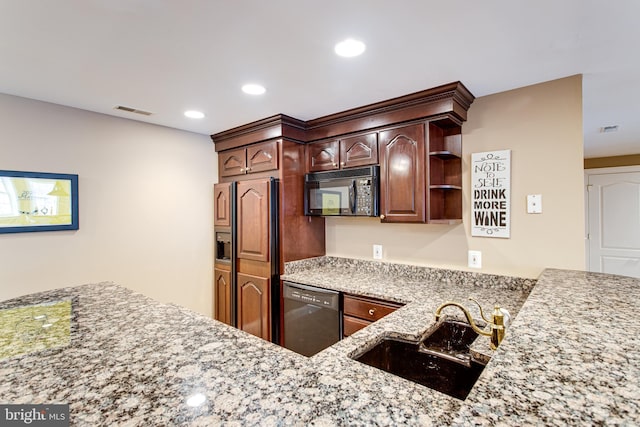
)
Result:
{"points": [[145, 204], [542, 125]]}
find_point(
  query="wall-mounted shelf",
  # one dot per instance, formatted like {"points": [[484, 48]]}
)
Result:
{"points": [[444, 154], [445, 173], [445, 187]]}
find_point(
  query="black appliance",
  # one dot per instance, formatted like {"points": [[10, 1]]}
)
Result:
{"points": [[347, 192], [312, 318]]}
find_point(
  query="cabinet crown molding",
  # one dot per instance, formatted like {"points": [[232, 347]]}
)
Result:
{"points": [[278, 126], [452, 99]]}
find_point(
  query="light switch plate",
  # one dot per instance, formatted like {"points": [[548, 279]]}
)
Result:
{"points": [[534, 203], [377, 251]]}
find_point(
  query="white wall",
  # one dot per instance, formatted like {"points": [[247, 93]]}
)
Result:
{"points": [[145, 204], [542, 125]]}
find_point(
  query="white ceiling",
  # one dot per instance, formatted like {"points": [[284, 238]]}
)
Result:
{"points": [[166, 56]]}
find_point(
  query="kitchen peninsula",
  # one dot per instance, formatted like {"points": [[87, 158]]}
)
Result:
{"points": [[571, 356]]}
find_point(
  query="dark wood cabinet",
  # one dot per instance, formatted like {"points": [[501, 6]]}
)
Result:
{"points": [[222, 204], [251, 159], [323, 156], [253, 305], [360, 312], [232, 162], [253, 219], [222, 294], [262, 157], [351, 325], [359, 150], [402, 174]]}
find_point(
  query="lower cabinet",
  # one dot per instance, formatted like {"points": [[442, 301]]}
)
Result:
{"points": [[222, 294], [253, 305], [361, 311]]}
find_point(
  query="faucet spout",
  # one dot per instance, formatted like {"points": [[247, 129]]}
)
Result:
{"points": [[497, 324], [467, 314]]}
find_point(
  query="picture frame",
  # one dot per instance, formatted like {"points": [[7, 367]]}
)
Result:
{"points": [[38, 201]]}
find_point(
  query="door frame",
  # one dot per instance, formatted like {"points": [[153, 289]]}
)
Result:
{"points": [[587, 174]]}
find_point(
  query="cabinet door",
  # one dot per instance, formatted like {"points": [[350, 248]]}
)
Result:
{"points": [[359, 150], [232, 162], [222, 295], [351, 325], [402, 170], [262, 157], [222, 202], [253, 218], [253, 305], [323, 156]]}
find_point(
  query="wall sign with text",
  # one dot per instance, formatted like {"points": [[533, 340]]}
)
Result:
{"points": [[491, 194]]}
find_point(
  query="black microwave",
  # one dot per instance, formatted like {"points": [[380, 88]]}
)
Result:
{"points": [[347, 192]]}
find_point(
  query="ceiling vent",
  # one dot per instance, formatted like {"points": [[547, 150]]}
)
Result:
{"points": [[606, 129], [132, 110]]}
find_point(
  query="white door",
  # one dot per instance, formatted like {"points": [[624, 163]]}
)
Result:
{"points": [[614, 223]]}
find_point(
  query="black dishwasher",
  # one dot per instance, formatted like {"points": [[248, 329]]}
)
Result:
{"points": [[312, 318]]}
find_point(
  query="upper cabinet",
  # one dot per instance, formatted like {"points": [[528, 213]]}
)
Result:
{"points": [[251, 159], [421, 173], [323, 156], [361, 150], [354, 151], [416, 139], [402, 174]]}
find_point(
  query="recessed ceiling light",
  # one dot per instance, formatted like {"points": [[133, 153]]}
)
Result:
{"points": [[349, 48], [253, 89], [193, 114]]}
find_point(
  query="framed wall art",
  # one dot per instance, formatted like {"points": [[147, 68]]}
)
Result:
{"points": [[38, 201], [491, 194]]}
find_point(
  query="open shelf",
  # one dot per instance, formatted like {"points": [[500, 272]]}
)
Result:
{"points": [[445, 221], [445, 187], [445, 174], [444, 154]]}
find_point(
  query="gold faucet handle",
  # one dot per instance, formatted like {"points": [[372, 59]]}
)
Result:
{"points": [[501, 316], [506, 317]]}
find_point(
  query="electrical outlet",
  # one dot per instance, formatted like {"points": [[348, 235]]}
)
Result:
{"points": [[534, 203], [377, 251], [475, 259]]}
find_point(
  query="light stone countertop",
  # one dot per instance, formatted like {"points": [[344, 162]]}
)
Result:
{"points": [[571, 357]]}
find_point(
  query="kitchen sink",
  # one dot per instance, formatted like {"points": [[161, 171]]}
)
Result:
{"points": [[451, 337], [442, 361]]}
